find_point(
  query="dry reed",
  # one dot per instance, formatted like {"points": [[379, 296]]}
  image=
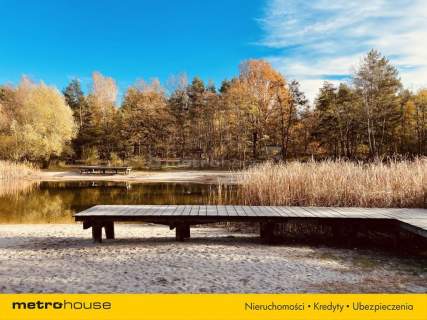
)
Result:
{"points": [[16, 177], [335, 183]]}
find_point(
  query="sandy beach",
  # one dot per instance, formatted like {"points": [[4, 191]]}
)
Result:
{"points": [[146, 258]]}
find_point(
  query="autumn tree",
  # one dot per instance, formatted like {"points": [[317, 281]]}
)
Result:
{"points": [[254, 116], [194, 110], [237, 133], [99, 130], [420, 121], [338, 114], [196, 107], [291, 108], [36, 122], [262, 98], [178, 105], [7, 115], [210, 123], [146, 120]]}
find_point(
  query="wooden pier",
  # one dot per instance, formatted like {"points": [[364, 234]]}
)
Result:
{"points": [[104, 170], [181, 217]]}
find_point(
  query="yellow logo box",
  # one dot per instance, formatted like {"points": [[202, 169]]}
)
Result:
{"points": [[213, 306]]}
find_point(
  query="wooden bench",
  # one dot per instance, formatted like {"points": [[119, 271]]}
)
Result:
{"points": [[181, 217], [104, 170]]}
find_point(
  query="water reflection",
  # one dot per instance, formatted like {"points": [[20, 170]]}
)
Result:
{"points": [[16, 187], [56, 202]]}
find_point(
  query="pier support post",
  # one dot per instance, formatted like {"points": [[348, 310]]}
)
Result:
{"points": [[182, 232], [266, 232], [96, 232], [397, 238], [109, 229], [87, 224]]}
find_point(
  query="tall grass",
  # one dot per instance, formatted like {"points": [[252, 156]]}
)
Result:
{"points": [[10, 171], [16, 177], [335, 183]]}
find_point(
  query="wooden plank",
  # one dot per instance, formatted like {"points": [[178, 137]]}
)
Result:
{"points": [[228, 210], [131, 211], [308, 211], [259, 211], [280, 212], [249, 212], [340, 212], [106, 210], [231, 210], [221, 210], [145, 210], [172, 210], [362, 213], [203, 211], [194, 210], [180, 210], [240, 212], [284, 211], [148, 210], [154, 210], [407, 215], [298, 212], [169, 210], [252, 211], [323, 212], [88, 212], [420, 223], [269, 211], [211, 211], [187, 210]]}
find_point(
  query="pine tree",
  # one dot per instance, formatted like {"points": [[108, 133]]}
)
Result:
{"points": [[75, 99], [378, 84]]}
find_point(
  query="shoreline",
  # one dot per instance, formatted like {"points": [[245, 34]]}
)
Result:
{"points": [[183, 176]]}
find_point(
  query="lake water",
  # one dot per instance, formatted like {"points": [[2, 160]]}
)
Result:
{"points": [[56, 202]]}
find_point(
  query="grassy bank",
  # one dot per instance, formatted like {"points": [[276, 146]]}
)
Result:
{"points": [[335, 183]]}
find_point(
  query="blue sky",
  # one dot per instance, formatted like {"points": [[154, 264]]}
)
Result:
{"points": [[322, 40], [310, 41], [128, 40]]}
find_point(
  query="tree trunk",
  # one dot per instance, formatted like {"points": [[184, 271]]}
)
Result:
{"points": [[254, 145]]}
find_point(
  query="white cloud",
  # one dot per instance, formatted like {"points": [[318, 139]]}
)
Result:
{"points": [[324, 40]]}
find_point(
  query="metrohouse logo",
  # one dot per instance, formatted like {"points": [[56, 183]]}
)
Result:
{"points": [[61, 305]]}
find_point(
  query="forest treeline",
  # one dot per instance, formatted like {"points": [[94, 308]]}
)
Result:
{"points": [[255, 116]]}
